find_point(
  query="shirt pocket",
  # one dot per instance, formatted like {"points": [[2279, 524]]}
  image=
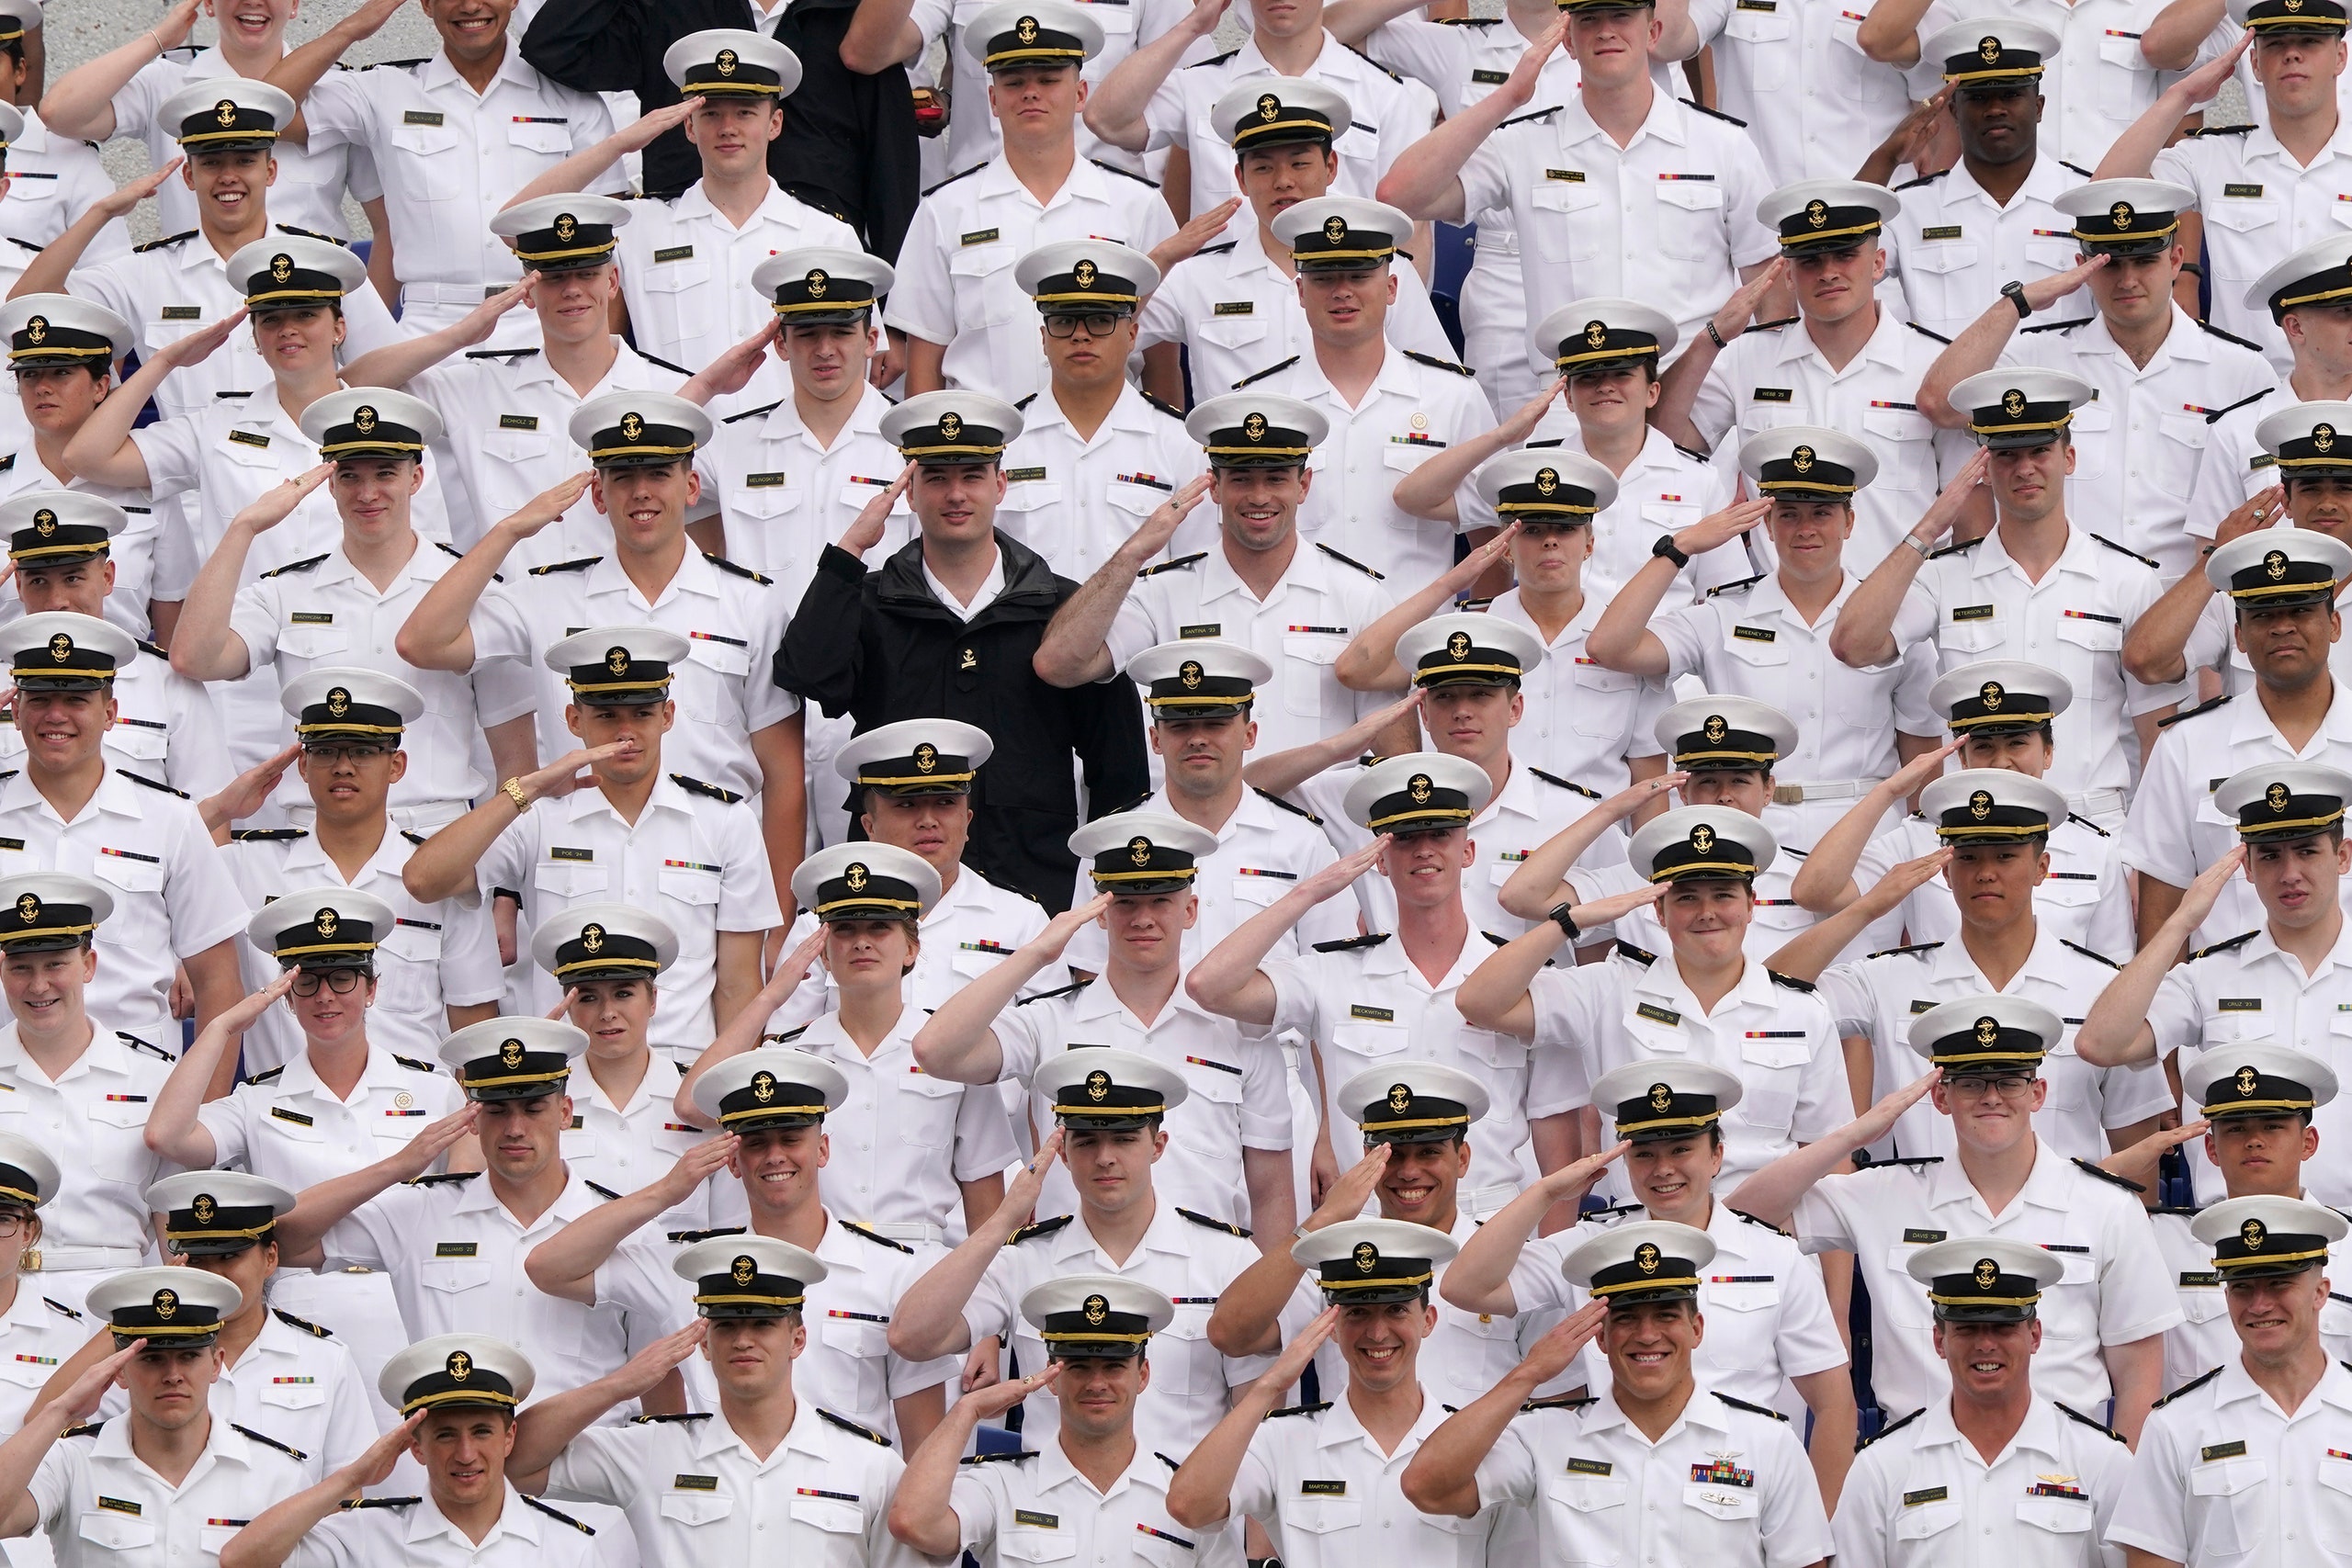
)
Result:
{"points": [[1404, 456], [413, 942], [547, 141], [437, 143], [1773, 1070], [1030, 495], [2225, 1507], [2182, 444], [1690, 221], [1755, 652], [1905, 442], [687, 885], [306, 1394], [976, 271], [2093, 655], [691, 1508], [829, 1515], [1232, 331], [720, 653], [1035, 1546], [1726, 1502], [1560, 221], [2058, 1516], [451, 1278], [1321, 1516], [1607, 711], [2249, 237], [1975, 637], [1373, 1041], [1195, 1371], [1767, 30], [931, 1109], [115, 1532], [1925, 1522], [1307, 657], [2126, 82], [312, 641], [570, 880], [1136, 501], [517, 445], [144, 741], [1587, 1517]]}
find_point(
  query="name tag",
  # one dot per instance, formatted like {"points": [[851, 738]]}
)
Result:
{"points": [[2251, 193], [766, 481], [118, 1505], [294, 1116], [1756, 634], [1945, 231], [1030, 1517], [1591, 1466], [2240, 1004], [1237, 308], [518, 421], [183, 312], [1022, 476], [248, 438], [1971, 613], [2211, 1279], [313, 617], [1372, 1015], [423, 117], [695, 1483], [1201, 628], [674, 253], [1573, 176], [455, 1250], [1490, 78], [979, 237], [1772, 395], [1925, 1495], [1322, 1488], [1917, 1238], [1657, 1014], [558, 851], [2223, 1450]]}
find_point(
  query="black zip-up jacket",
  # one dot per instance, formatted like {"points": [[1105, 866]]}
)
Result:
{"points": [[880, 646]]}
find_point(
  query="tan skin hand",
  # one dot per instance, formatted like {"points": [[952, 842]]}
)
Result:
{"points": [[482, 320], [199, 344], [866, 532], [1722, 528], [2204, 891], [1741, 308], [648, 128], [1520, 85], [1348, 1195], [1529, 414], [732, 371], [572, 770], [1186, 242], [2045, 292], [1169, 514], [1901, 881], [380, 1459], [2142, 1161], [2259, 511], [1343, 872], [548, 504], [1946, 509], [1916, 136], [278, 503], [250, 1006], [120, 203], [1068, 923], [1880, 1119], [1571, 1179], [1559, 1347], [251, 790], [999, 1397]]}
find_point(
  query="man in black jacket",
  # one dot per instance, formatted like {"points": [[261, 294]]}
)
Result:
{"points": [[849, 144], [947, 628]]}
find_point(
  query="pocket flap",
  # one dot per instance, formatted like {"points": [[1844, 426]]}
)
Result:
{"points": [[1939, 256], [130, 876], [695, 1508], [2226, 1477], [830, 1514], [1722, 1502], [979, 261], [1690, 194]]}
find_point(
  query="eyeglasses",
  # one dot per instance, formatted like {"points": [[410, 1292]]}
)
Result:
{"points": [[343, 982], [2008, 1086], [12, 1224], [336, 756], [1095, 323]]}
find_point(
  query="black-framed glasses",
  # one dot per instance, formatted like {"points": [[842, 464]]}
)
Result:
{"points": [[342, 982], [1975, 1086], [1096, 324]]}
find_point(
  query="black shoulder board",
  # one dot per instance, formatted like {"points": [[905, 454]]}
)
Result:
{"points": [[1226, 1225], [166, 239], [1925, 331], [846, 1425], [1713, 114], [2086, 953], [723, 564], [2225, 946], [138, 1045], [1920, 1161], [2199, 1381], [1165, 1460], [1744, 1214], [1751, 1409], [557, 1514], [1212, 59], [687, 1238], [413, 1065], [1955, 550], [1639, 955], [310, 234], [1176, 565], [58, 1306], [1002, 1456], [2058, 326], [445, 1178], [876, 1238], [1071, 989], [2073, 1415], [1775, 326], [1350, 560], [1043, 1228], [298, 565], [304, 1324], [84, 1429], [272, 1075], [148, 648], [1923, 180], [1315, 1409], [1791, 981], [1170, 410], [2210, 331], [27, 244], [1261, 374], [2119, 550], [1434, 362], [1894, 1426], [2215, 416], [514, 355], [2221, 131], [663, 1420], [787, 1038], [601, 1190], [350, 1502], [1371, 61], [1215, 249], [266, 835], [1497, 940], [2188, 1211], [1568, 784], [393, 65], [2077, 168], [754, 413], [1129, 174], [696, 786], [674, 369], [447, 549], [1558, 1402], [582, 564], [1023, 404], [269, 1442], [151, 784], [412, 836], [1350, 943], [1275, 799], [1743, 583], [1524, 119], [2087, 1169], [2091, 825], [2208, 706], [1898, 951]]}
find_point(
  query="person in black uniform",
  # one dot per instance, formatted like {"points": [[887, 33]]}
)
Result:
{"points": [[947, 627]]}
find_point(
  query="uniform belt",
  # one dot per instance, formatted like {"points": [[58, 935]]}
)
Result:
{"points": [[905, 1232], [467, 294], [38, 1259], [1501, 240], [2096, 802], [1480, 1202], [1842, 789]]}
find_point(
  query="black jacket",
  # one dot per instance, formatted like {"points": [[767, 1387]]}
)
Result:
{"points": [[880, 646], [849, 143]]}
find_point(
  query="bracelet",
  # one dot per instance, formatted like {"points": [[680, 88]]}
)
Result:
{"points": [[1713, 336], [1914, 541], [512, 790]]}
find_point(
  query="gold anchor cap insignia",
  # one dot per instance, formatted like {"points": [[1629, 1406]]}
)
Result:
{"points": [[363, 419], [1268, 105], [1419, 788], [224, 113], [1661, 1097], [2247, 1081], [1458, 646], [44, 522], [510, 1052], [1139, 851], [1703, 839], [1596, 334], [926, 757], [1026, 30], [1188, 672], [1802, 458], [1098, 1086], [2120, 215], [1547, 482], [338, 702], [1980, 804], [2253, 1234], [2013, 402], [2274, 565], [1988, 49], [1400, 1098], [2323, 436], [203, 1208], [166, 1302], [1646, 1258], [1097, 1309], [281, 266], [37, 328], [1988, 1031], [762, 1085], [1714, 728], [592, 937], [855, 876], [2275, 797], [566, 226], [1367, 1256], [632, 425], [460, 1366], [1817, 213], [1253, 425], [1084, 274], [1335, 228], [60, 648], [951, 425], [744, 1269], [616, 660], [726, 61], [1991, 695], [27, 907], [326, 922], [1988, 1273]]}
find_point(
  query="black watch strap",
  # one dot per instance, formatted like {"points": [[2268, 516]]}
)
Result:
{"points": [[1559, 916], [2014, 292], [1664, 547]]}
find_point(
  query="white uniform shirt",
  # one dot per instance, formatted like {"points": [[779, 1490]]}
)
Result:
{"points": [[173, 896], [2258, 204], [696, 1494], [1797, 76], [975, 926], [417, 1535], [972, 133], [100, 1504], [1413, 410], [287, 1127], [150, 561], [2232, 466], [1076, 501], [1236, 312], [784, 498], [1921, 1494], [299, 1384], [1720, 1485], [633, 1145], [955, 284], [903, 1139], [1774, 375], [2205, 1338], [1332, 1496], [166, 727], [95, 1113], [1581, 722], [311, 181], [1781, 1042], [37, 1336], [1035, 1506], [1317, 607], [2223, 1475], [698, 861], [1663, 490], [1952, 246], [52, 180], [2114, 1291], [2093, 87], [2086, 900]]}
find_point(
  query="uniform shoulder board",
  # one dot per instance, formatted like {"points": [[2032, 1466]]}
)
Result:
{"points": [[27, 244], [1751, 1409], [1469, 604], [1164, 1459], [1923, 180], [1023, 404], [687, 1238], [1497, 940], [2119, 550], [447, 549], [1179, 564], [1742, 586], [558, 1515], [675, 1416], [2221, 130], [152, 651], [1775, 326], [166, 239], [1558, 1402], [1350, 943], [846, 1425], [2186, 1211], [1371, 61], [1894, 1426], [673, 369], [1043, 1228], [1920, 1161], [1569, 784], [1069, 990], [310, 234], [1751, 1219], [444, 1179], [1435, 363], [412, 836], [298, 565], [582, 564], [601, 1190], [415, 1065], [696, 786], [723, 564], [1217, 250], [1125, 173], [86, 1429], [350, 1502], [2086, 953], [138, 1045], [272, 1075], [1315, 1409], [151, 784], [2073, 1415], [752, 413], [876, 1238], [2199, 1381], [1899, 951], [787, 1038], [2211, 331], [2091, 825], [1261, 374], [2208, 706], [1791, 981], [1955, 550], [1639, 955], [1002, 1456], [266, 835], [1274, 799], [1212, 59], [1226, 1225], [2066, 326], [2225, 946], [269, 1442], [1711, 114], [304, 1324], [2077, 168], [513, 355], [2215, 416], [1927, 332], [966, 175], [58, 1306], [1350, 560], [1524, 119], [1170, 410], [2087, 1169], [395, 64]]}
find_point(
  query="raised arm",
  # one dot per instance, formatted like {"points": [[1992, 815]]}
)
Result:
{"points": [[21, 1455], [745, 1030], [173, 1130], [1353, 21], [1622, 638], [278, 1530], [1228, 980], [1279, 772], [1200, 1495], [203, 646], [1980, 344], [575, 173], [1431, 490], [397, 364], [438, 634], [2178, 31], [1247, 1317], [547, 1426], [2133, 154], [1679, 387], [565, 1264], [922, 1515], [299, 70], [1073, 651], [1543, 878], [1426, 178], [82, 103], [1493, 1249], [1817, 947], [443, 866], [55, 262], [1771, 1193], [928, 1320], [1864, 636], [2156, 649], [1825, 884], [1891, 36], [301, 1231], [1116, 108], [1369, 661], [1442, 1478], [102, 451], [956, 1043], [2115, 1032]]}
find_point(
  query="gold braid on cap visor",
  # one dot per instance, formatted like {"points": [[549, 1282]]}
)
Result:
{"points": [[2275, 590], [1996, 73], [1942, 1301], [2328, 820], [248, 1233], [605, 248], [2061, 422], [2111, 238], [2227, 1263], [100, 547], [2252, 1107], [1694, 1120], [2043, 717], [454, 1396], [1995, 829], [727, 1116], [553, 1076], [782, 1303], [1676, 1282], [337, 727], [1153, 1110], [1389, 1283], [282, 298], [9, 937], [1629, 352], [1705, 868], [1814, 236]]}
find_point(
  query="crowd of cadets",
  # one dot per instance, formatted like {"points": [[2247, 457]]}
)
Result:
{"points": [[907, 810]]}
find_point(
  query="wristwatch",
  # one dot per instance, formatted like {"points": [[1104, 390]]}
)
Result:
{"points": [[1665, 548], [1558, 915], [2014, 292], [512, 790]]}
